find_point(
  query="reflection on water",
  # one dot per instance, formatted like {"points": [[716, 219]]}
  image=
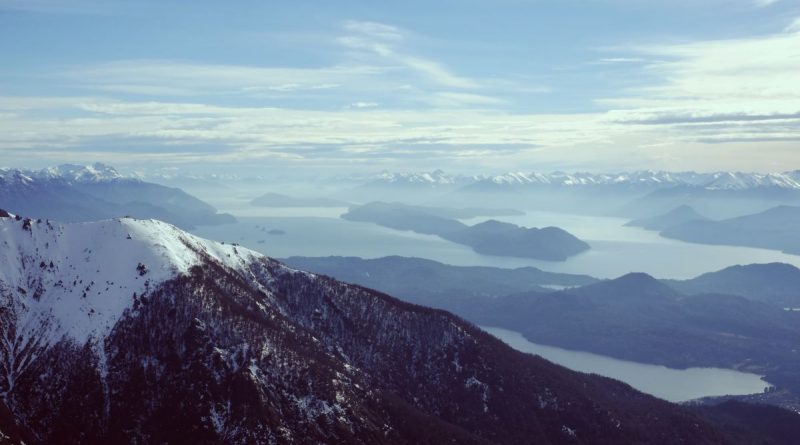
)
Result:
{"points": [[675, 385], [616, 250]]}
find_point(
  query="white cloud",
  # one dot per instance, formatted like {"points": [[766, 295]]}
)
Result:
{"points": [[249, 131], [363, 105], [719, 91], [181, 133]]}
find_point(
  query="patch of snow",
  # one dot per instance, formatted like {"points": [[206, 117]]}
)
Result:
{"points": [[473, 382], [76, 280]]}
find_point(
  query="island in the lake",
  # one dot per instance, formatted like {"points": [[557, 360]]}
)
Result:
{"points": [[489, 238]]}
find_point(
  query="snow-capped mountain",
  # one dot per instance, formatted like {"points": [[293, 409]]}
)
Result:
{"points": [[644, 178], [97, 172], [82, 287], [744, 181], [86, 193], [653, 179], [131, 331], [433, 178]]}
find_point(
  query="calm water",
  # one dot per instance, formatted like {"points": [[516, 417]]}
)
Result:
{"points": [[616, 249], [675, 385]]}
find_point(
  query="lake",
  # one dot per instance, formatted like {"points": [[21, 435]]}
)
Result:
{"points": [[616, 249], [675, 385]]}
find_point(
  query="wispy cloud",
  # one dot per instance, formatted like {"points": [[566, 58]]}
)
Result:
{"points": [[176, 77], [381, 40], [243, 132], [376, 30], [375, 62]]}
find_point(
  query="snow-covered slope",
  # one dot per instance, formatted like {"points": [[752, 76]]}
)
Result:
{"points": [[78, 278]]}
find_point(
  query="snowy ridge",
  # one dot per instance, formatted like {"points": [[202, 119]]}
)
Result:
{"points": [[95, 173], [436, 177], [650, 178], [76, 280], [710, 181], [13, 177]]}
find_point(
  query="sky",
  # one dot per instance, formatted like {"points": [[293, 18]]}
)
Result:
{"points": [[355, 86]]}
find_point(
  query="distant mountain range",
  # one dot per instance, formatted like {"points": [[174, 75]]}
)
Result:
{"points": [[635, 194], [87, 193], [132, 331], [775, 228], [777, 284], [438, 178], [643, 178]]}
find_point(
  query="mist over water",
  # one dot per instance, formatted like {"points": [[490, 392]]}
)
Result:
{"points": [[615, 248]]}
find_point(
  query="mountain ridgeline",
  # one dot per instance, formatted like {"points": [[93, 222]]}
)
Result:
{"points": [[74, 193], [490, 237], [434, 284], [130, 331], [774, 228]]}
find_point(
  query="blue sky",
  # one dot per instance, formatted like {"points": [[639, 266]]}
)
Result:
{"points": [[468, 85]]}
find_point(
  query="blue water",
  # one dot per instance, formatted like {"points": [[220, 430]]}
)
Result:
{"points": [[675, 385]]}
